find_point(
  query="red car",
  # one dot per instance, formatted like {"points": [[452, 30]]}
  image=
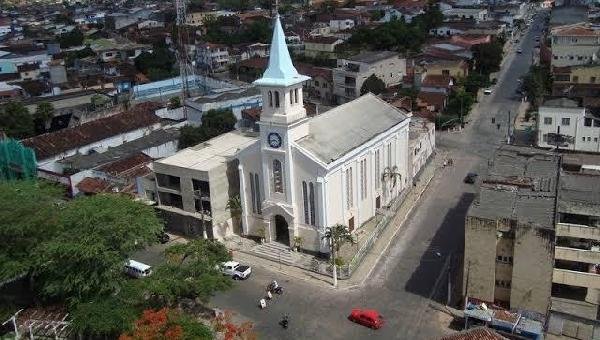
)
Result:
{"points": [[367, 317]]}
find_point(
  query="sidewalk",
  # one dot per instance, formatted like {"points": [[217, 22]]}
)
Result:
{"points": [[368, 263]]}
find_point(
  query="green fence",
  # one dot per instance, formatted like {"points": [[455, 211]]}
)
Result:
{"points": [[16, 161]]}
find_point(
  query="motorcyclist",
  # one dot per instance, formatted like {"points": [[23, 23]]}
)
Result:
{"points": [[274, 285]]}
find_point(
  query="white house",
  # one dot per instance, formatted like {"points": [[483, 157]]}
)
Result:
{"points": [[337, 25], [304, 175], [580, 128]]}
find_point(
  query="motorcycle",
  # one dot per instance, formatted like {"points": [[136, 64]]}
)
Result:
{"points": [[285, 321], [274, 288]]}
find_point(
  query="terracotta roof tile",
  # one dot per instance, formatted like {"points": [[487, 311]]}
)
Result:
{"points": [[437, 80], [436, 99], [91, 185], [123, 165], [479, 333], [55, 143]]}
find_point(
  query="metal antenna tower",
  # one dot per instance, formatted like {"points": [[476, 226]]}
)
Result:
{"points": [[186, 69]]}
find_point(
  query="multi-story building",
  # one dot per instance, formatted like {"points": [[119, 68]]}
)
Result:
{"points": [[575, 44], [351, 73], [214, 57], [565, 119], [193, 187], [476, 14], [321, 46], [509, 231]]}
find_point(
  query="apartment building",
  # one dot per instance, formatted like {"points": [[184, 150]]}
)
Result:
{"points": [[509, 231], [350, 73], [575, 44], [192, 187], [567, 124], [576, 273], [213, 57]]}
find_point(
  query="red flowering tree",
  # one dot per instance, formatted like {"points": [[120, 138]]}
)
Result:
{"points": [[223, 324], [166, 324]]}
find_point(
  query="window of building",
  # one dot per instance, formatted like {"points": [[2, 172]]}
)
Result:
{"points": [[276, 98], [589, 139], [587, 122], [253, 192], [277, 176], [305, 201], [349, 201], [566, 121], [168, 181], [316, 83], [583, 139], [170, 199], [389, 155], [201, 188], [311, 199], [270, 99], [258, 201], [202, 206], [547, 120], [291, 98], [595, 139], [363, 179], [592, 80], [575, 79], [296, 96], [377, 169]]}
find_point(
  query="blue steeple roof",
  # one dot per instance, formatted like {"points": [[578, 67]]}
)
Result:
{"points": [[280, 71]]}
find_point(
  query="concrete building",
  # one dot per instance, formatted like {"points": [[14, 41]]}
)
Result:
{"points": [[336, 25], [510, 230], [303, 174], [578, 125], [575, 44], [213, 57], [577, 74], [576, 275], [351, 73], [192, 187], [321, 46], [466, 13], [421, 143]]}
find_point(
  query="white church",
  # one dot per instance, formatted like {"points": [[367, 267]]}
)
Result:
{"points": [[303, 174]]}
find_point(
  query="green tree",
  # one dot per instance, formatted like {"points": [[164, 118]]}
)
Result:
{"points": [[106, 316], [16, 121], [174, 103], [459, 102], [214, 123], [43, 114], [337, 236], [70, 39], [488, 57], [372, 84], [537, 84], [98, 233], [156, 65], [191, 271], [29, 213]]}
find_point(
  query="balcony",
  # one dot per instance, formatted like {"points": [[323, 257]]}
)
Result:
{"points": [[576, 278], [578, 231], [577, 255]]}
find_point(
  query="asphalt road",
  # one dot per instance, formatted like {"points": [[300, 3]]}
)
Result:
{"points": [[410, 273]]}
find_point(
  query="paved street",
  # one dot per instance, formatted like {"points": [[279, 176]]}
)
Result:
{"points": [[405, 278]]}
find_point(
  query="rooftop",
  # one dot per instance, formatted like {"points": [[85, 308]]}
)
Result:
{"points": [[370, 57], [580, 29], [55, 143], [210, 154], [520, 186], [565, 15], [344, 128], [478, 333], [579, 194], [562, 103], [228, 95], [94, 160]]}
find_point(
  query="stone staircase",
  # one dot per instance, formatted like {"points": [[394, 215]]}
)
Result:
{"points": [[276, 252]]}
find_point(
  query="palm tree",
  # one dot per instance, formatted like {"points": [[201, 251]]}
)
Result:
{"points": [[337, 236], [391, 173], [234, 204]]}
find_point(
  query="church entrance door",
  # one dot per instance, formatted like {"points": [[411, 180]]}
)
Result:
{"points": [[282, 233]]}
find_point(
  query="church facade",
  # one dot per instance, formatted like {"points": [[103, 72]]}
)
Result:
{"points": [[303, 174]]}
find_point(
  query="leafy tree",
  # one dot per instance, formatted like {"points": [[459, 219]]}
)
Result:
{"points": [[34, 88], [16, 121], [103, 317], [377, 15], [70, 39], [190, 272], [488, 57], [372, 84], [28, 216], [156, 65], [43, 114], [537, 84], [337, 236], [174, 102], [432, 17], [223, 324], [85, 259], [474, 81], [460, 102], [214, 123]]}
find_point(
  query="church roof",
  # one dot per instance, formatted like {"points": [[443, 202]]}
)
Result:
{"points": [[280, 71], [346, 127]]}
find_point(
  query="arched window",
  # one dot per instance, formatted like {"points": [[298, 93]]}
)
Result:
{"points": [[277, 176], [276, 98], [291, 98], [270, 99], [296, 95]]}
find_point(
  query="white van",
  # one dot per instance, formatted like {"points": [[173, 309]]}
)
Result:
{"points": [[137, 269]]}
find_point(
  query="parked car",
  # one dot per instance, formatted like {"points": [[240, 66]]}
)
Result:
{"points": [[470, 178], [235, 270], [487, 91], [367, 317], [519, 51]]}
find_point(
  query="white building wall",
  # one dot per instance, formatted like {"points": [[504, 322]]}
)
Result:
{"points": [[556, 116]]}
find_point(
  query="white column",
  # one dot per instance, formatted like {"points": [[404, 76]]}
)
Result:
{"points": [[243, 200]]}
